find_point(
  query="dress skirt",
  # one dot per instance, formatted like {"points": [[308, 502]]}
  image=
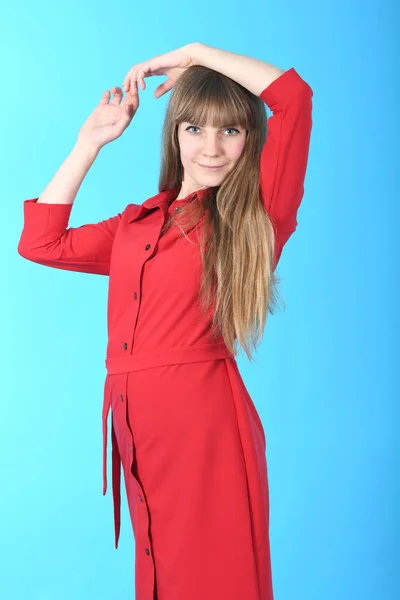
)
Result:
{"points": [[193, 453]]}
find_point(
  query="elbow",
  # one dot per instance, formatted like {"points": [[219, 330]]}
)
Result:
{"points": [[22, 251]]}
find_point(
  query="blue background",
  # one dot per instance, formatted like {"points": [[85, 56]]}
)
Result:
{"points": [[326, 380]]}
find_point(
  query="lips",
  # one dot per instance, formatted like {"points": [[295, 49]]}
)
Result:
{"points": [[211, 167]]}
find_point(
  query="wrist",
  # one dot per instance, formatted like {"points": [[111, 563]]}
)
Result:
{"points": [[195, 50], [86, 148]]}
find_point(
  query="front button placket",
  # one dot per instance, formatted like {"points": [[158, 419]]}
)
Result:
{"points": [[124, 453], [144, 553], [126, 449], [143, 250]]}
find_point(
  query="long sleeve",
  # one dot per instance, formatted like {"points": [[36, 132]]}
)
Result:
{"points": [[284, 155], [47, 240]]}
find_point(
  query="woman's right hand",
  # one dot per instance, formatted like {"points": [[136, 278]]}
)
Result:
{"points": [[109, 120]]}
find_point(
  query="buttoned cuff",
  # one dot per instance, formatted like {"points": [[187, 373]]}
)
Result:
{"points": [[45, 217]]}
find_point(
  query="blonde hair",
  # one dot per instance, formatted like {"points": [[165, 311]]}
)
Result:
{"points": [[237, 243]]}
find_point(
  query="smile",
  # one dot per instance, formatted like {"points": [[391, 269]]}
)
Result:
{"points": [[211, 168]]}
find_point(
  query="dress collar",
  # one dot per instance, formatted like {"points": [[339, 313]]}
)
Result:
{"points": [[162, 199]]}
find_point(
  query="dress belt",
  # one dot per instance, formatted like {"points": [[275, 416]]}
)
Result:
{"points": [[136, 362]]}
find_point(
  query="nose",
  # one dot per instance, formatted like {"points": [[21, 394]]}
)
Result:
{"points": [[211, 146]]}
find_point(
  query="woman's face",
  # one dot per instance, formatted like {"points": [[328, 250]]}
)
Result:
{"points": [[208, 146]]}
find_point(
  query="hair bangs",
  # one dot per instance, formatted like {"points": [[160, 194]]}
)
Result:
{"points": [[214, 104]]}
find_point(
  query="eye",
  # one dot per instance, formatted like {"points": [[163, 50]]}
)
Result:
{"points": [[227, 129], [191, 127]]}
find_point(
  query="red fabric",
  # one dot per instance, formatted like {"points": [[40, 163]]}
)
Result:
{"points": [[184, 428]]}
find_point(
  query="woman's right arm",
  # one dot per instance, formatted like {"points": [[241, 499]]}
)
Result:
{"points": [[46, 238], [64, 186]]}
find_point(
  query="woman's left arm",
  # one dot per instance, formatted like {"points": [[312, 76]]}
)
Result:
{"points": [[252, 73], [284, 155]]}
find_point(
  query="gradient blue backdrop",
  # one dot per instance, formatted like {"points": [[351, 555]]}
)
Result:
{"points": [[326, 379]]}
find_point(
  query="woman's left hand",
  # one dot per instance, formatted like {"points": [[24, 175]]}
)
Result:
{"points": [[172, 64]]}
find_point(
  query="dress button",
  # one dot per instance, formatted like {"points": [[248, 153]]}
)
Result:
{"points": [[135, 295], [121, 398], [148, 246], [141, 499], [147, 551], [177, 209], [125, 346]]}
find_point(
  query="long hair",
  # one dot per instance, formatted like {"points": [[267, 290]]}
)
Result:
{"points": [[237, 242]]}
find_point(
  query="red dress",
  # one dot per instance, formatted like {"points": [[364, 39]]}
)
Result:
{"points": [[184, 427]]}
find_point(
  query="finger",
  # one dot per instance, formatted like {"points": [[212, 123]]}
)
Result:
{"points": [[130, 81], [155, 67], [163, 88], [117, 95], [141, 78], [127, 79], [133, 96], [135, 74], [141, 72], [133, 79], [105, 97], [149, 70]]}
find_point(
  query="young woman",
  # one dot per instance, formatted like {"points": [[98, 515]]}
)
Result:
{"points": [[191, 276]]}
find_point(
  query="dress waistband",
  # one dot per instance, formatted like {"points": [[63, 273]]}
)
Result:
{"points": [[166, 356], [135, 362]]}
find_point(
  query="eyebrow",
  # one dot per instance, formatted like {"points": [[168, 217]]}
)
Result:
{"points": [[222, 126]]}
